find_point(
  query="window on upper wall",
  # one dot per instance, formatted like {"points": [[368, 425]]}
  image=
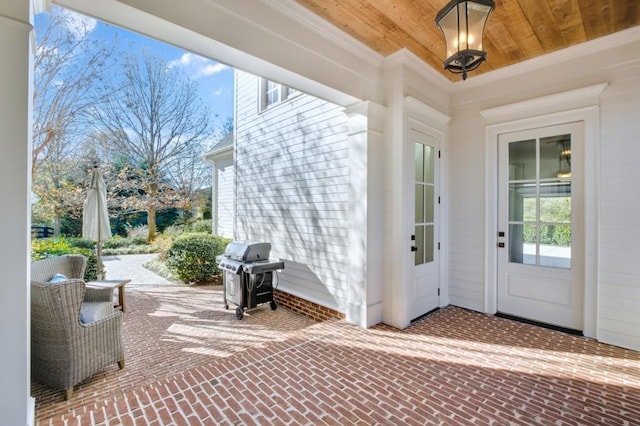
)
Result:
{"points": [[272, 93]]}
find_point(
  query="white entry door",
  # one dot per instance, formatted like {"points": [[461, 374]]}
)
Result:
{"points": [[425, 288], [540, 224]]}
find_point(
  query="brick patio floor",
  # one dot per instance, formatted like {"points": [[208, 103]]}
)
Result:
{"points": [[190, 362]]}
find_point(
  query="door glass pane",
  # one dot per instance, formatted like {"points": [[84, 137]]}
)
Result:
{"points": [[555, 157], [419, 162], [419, 243], [540, 207], [522, 202], [429, 203], [555, 246], [555, 224], [428, 243], [429, 159], [419, 203], [522, 160], [522, 243], [555, 202]]}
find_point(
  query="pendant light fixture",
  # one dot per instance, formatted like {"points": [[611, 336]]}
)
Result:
{"points": [[462, 23]]}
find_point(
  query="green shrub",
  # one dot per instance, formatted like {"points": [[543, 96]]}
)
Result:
{"points": [[51, 247], [199, 226], [173, 230], [162, 244], [119, 242], [192, 256], [140, 231], [134, 249]]}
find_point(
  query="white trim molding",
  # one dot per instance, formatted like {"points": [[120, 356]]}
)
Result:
{"points": [[580, 105], [364, 299], [570, 99], [433, 117]]}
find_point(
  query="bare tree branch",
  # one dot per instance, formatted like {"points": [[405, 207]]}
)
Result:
{"points": [[155, 117]]}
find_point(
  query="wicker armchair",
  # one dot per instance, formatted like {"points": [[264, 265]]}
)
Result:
{"points": [[71, 266], [64, 350]]}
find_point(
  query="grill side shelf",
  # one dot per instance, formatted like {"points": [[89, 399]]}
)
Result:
{"points": [[260, 267]]}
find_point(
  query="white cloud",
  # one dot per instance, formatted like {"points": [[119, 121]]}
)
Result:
{"points": [[197, 66], [184, 61], [220, 91], [77, 24], [211, 69]]}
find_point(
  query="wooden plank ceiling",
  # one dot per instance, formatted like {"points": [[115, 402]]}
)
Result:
{"points": [[517, 30]]}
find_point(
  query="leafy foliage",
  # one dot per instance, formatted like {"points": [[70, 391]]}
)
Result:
{"points": [[118, 242], [126, 245], [192, 256], [200, 226], [556, 212], [51, 247]]}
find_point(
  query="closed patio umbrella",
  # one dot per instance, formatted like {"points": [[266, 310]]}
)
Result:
{"points": [[95, 217]]}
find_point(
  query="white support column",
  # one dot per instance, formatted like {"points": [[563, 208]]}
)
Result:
{"points": [[366, 217], [16, 405]]}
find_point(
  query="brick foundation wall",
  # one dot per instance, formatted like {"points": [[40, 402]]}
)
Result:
{"points": [[306, 308]]}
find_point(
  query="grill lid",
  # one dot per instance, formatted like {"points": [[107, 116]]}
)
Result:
{"points": [[247, 251]]}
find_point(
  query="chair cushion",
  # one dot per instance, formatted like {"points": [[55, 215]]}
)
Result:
{"points": [[58, 278], [94, 311]]}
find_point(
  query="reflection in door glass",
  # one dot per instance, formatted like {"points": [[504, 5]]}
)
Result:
{"points": [[428, 243], [522, 160], [419, 245], [540, 202], [521, 249], [555, 224], [555, 157]]}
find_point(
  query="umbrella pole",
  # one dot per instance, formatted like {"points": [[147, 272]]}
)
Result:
{"points": [[99, 255], [99, 245]]}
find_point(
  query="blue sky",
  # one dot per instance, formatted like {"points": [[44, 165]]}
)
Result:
{"points": [[214, 79]]}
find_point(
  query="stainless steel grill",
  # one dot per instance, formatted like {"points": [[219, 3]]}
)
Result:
{"points": [[248, 275]]}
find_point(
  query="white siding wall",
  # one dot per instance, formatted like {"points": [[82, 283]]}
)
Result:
{"points": [[467, 208], [225, 199], [618, 281], [619, 304], [292, 189]]}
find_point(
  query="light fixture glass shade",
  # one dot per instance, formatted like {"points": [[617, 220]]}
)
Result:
{"points": [[462, 24]]}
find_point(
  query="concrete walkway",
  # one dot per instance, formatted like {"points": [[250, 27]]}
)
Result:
{"points": [[131, 267]]}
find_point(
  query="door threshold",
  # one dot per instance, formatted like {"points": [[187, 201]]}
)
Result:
{"points": [[566, 330], [418, 318]]}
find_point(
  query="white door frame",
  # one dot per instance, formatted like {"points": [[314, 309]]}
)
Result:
{"points": [[437, 137], [563, 285], [576, 105], [426, 119]]}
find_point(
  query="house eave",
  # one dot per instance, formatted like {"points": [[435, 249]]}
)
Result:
{"points": [[218, 154]]}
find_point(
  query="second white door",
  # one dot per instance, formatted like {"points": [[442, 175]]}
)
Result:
{"points": [[425, 288]]}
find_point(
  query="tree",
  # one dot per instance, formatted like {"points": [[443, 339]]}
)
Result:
{"points": [[60, 182], [189, 174], [154, 117], [68, 62]]}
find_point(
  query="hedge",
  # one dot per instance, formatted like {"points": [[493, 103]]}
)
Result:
{"points": [[192, 256]]}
